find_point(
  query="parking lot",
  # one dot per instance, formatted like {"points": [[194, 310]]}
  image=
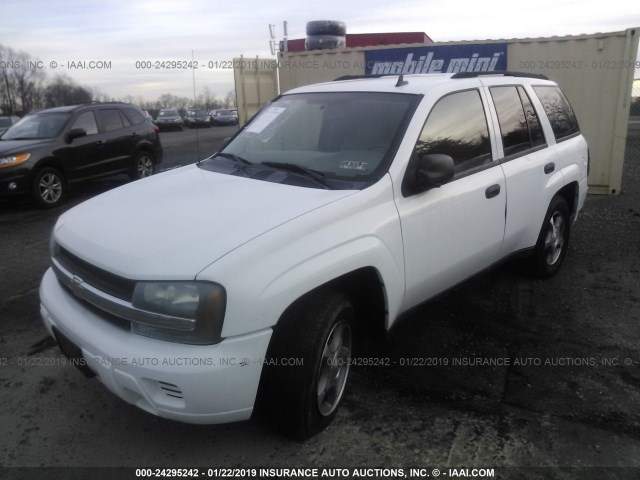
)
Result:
{"points": [[505, 371]]}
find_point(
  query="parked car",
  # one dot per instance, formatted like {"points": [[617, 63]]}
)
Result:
{"points": [[197, 118], [224, 117], [169, 119], [49, 150], [6, 122], [336, 210]]}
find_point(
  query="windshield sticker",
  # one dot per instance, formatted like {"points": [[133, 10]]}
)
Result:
{"points": [[351, 165], [265, 118]]}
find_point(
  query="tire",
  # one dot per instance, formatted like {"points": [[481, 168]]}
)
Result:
{"points": [[327, 27], [49, 187], [324, 42], [302, 400], [143, 166], [553, 240]]}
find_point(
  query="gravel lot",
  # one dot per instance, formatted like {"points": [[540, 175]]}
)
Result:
{"points": [[565, 396]]}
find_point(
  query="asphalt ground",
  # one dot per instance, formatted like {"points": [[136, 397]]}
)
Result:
{"points": [[534, 379]]}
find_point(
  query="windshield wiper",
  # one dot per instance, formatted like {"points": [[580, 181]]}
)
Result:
{"points": [[314, 175], [239, 161], [234, 157]]}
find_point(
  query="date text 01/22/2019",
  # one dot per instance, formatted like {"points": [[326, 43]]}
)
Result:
{"points": [[195, 64], [577, 65]]}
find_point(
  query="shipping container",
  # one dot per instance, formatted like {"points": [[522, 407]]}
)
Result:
{"points": [[595, 71]]}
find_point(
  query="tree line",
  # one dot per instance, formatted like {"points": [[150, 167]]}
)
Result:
{"points": [[24, 89]]}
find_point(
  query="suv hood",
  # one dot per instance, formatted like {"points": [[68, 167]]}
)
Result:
{"points": [[20, 146], [173, 225]]}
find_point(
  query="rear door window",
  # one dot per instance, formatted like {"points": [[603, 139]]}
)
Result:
{"points": [[519, 126], [110, 120]]}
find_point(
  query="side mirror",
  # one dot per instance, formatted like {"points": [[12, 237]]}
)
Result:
{"points": [[74, 133], [427, 171], [434, 170]]}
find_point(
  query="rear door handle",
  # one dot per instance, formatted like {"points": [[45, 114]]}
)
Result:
{"points": [[492, 191], [549, 167], [100, 142]]}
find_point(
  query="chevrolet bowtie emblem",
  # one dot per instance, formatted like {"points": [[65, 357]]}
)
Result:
{"points": [[76, 286]]}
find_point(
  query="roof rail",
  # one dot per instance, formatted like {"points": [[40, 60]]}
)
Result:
{"points": [[358, 77], [504, 74]]}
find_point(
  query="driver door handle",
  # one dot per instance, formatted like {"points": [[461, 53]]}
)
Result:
{"points": [[492, 191]]}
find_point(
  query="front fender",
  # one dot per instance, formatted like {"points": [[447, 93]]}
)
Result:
{"points": [[266, 275]]}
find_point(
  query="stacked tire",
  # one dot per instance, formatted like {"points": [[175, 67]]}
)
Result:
{"points": [[325, 34]]}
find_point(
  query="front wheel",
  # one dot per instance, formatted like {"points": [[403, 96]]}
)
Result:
{"points": [[143, 166], [308, 363], [553, 239], [48, 188]]}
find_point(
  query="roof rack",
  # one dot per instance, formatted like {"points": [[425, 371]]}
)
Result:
{"points": [[359, 77], [504, 74]]}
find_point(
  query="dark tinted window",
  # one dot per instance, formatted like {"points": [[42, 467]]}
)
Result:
{"points": [[535, 130], [135, 116], [110, 120], [560, 114], [125, 120], [86, 121], [457, 127], [519, 125], [513, 124]]}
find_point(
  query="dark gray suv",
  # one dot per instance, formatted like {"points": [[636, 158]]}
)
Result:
{"points": [[48, 150]]}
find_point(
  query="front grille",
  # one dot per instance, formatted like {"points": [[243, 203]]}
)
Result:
{"points": [[107, 282]]}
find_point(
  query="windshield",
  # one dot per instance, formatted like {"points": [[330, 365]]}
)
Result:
{"points": [[344, 136], [168, 113], [36, 126], [5, 122], [224, 112]]}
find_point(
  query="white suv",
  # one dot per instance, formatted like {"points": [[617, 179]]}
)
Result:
{"points": [[244, 279]]}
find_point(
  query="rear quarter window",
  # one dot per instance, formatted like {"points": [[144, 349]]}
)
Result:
{"points": [[560, 114], [136, 117]]}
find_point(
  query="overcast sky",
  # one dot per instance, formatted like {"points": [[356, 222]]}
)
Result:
{"points": [[126, 31]]}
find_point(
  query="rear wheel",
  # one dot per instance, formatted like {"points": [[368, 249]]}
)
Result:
{"points": [[143, 166], [48, 187], [553, 240], [308, 364]]}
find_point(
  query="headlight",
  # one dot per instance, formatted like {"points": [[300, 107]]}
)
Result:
{"points": [[189, 312], [14, 159]]}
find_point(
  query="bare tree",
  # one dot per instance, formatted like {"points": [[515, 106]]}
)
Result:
{"points": [[28, 80], [230, 99], [63, 91], [7, 88]]}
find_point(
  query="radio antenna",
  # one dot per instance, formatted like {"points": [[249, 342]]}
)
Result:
{"points": [[193, 75]]}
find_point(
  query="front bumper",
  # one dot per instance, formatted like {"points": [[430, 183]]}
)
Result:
{"points": [[190, 383], [14, 180]]}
